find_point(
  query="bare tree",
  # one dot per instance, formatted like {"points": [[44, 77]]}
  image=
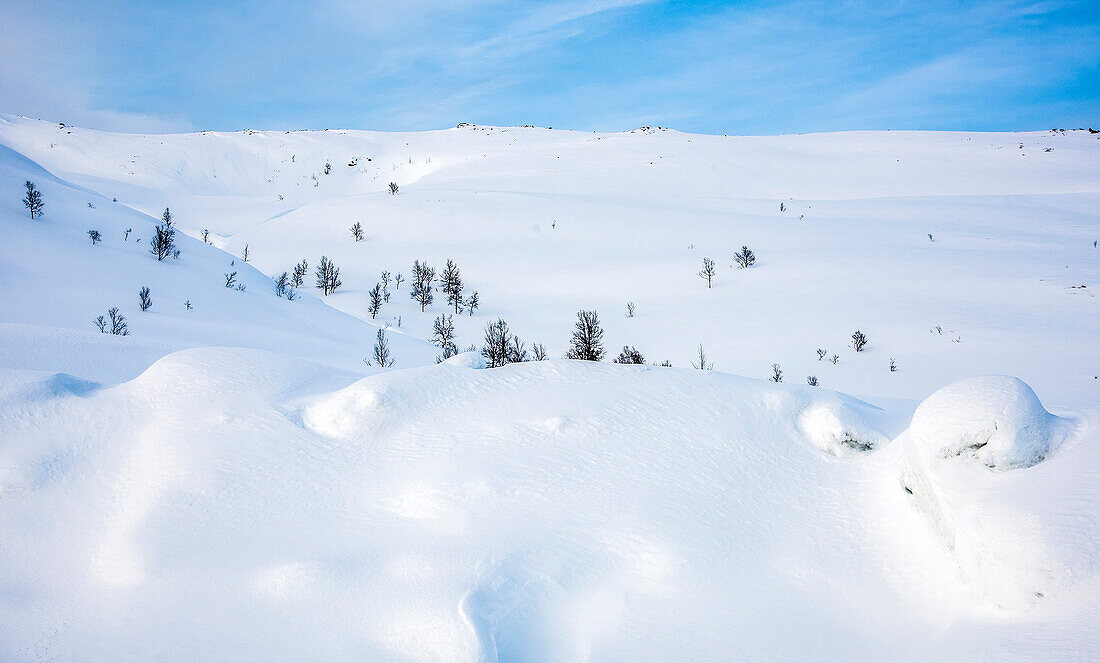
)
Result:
{"points": [[630, 309], [834, 359], [893, 366], [587, 341], [702, 365], [393, 188], [745, 258], [33, 200], [451, 285], [821, 352], [422, 278], [472, 303], [443, 335], [859, 341], [811, 380], [357, 232], [244, 256], [328, 276], [382, 350], [498, 340], [164, 237], [298, 276], [629, 355], [116, 325], [385, 285], [398, 280], [282, 284], [777, 373], [230, 279], [205, 236], [517, 352], [94, 236], [539, 352], [707, 272], [375, 301], [144, 300]]}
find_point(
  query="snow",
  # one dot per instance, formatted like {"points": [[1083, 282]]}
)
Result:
{"points": [[996, 419], [233, 482]]}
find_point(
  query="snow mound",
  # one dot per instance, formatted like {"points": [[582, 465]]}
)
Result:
{"points": [[996, 419], [838, 429], [467, 360]]}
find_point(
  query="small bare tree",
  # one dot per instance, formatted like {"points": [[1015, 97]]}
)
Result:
{"points": [[539, 352], [94, 236], [116, 325], [472, 303], [893, 366], [777, 373], [382, 350], [144, 300], [630, 309], [230, 279], [629, 355], [707, 272], [328, 276], [164, 237], [587, 341], [498, 340], [859, 341], [393, 188], [298, 276], [375, 302], [398, 280], [745, 258], [244, 256], [33, 200], [821, 352], [702, 365], [357, 232], [811, 380]]}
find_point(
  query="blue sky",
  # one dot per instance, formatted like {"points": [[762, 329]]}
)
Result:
{"points": [[709, 67]]}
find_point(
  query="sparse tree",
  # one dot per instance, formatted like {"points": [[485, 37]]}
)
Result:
{"points": [[666, 363], [498, 341], [629, 355], [398, 280], [393, 188], [116, 325], [587, 341], [422, 277], [811, 380], [385, 285], [630, 309], [298, 276], [33, 200], [144, 300], [164, 237], [375, 301], [707, 272], [230, 279], [517, 352], [859, 341], [472, 303], [382, 350], [821, 352], [94, 236], [893, 366], [187, 305], [328, 276], [702, 364], [539, 352], [205, 236], [244, 256], [745, 258], [328, 168], [834, 359], [443, 335], [357, 232], [451, 285], [777, 373], [282, 284]]}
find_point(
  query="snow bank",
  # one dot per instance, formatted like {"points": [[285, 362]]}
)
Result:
{"points": [[996, 419]]}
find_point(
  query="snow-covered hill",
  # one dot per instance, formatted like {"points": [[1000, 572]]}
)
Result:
{"points": [[232, 482]]}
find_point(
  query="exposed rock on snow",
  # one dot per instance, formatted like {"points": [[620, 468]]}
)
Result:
{"points": [[996, 419]]}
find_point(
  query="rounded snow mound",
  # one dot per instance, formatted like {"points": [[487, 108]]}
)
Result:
{"points": [[997, 419], [467, 360]]}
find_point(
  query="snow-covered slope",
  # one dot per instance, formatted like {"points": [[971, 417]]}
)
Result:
{"points": [[544, 223], [232, 482]]}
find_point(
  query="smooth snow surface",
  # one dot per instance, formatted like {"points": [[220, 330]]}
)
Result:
{"points": [[232, 482]]}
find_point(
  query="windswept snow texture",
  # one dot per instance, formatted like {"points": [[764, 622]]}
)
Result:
{"points": [[232, 482]]}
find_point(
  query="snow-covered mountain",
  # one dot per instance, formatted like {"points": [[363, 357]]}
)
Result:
{"points": [[231, 481]]}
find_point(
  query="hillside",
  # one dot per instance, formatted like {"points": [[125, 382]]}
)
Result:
{"points": [[231, 481]]}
